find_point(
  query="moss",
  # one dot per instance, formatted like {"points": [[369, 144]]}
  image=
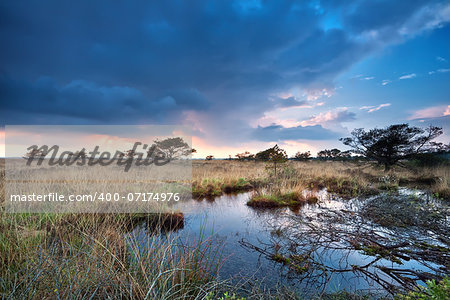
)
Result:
{"points": [[312, 199], [345, 187], [427, 246], [294, 262], [375, 250], [390, 187], [299, 258], [291, 199], [267, 201], [281, 259], [441, 192], [300, 269], [210, 188]]}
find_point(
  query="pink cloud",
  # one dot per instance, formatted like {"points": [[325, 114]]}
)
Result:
{"points": [[431, 112], [314, 120], [373, 108], [447, 111], [328, 118]]}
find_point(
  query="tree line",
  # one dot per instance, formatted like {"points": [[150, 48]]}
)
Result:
{"points": [[387, 146]]}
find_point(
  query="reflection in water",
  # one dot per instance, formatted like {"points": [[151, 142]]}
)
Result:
{"points": [[327, 246]]}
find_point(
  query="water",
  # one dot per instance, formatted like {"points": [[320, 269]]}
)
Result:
{"points": [[249, 237]]}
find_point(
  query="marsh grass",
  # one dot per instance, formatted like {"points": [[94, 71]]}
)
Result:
{"points": [[96, 256], [210, 188], [345, 179], [84, 256], [291, 199]]}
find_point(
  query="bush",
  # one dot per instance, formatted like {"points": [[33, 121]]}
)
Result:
{"points": [[428, 160], [433, 290]]}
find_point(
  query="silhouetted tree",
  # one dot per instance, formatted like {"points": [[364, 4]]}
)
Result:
{"points": [[209, 157], [327, 154], [389, 145], [435, 147], [275, 155], [245, 156], [34, 153], [130, 153], [302, 155], [333, 154], [173, 148]]}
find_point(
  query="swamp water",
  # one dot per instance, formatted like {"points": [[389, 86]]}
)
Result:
{"points": [[330, 246]]}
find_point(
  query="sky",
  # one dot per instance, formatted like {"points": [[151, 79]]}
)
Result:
{"points": [[245, 75]]}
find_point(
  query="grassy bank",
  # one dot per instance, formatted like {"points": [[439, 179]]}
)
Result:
{"points": [[280, 199], [345, 179]]}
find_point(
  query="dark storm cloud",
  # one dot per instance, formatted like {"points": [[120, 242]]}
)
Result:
{"points": [[344, 116], [81, 99], [150, 61], [279, 133], [361, 16], [288, 102]]}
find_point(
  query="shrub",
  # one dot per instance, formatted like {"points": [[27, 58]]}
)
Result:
{"points": [[433, 290]]}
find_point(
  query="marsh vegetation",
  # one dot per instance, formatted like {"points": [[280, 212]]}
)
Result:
{"points": [[312, 229]]}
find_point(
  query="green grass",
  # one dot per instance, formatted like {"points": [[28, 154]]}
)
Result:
{"points": [[291, 199], [433, 290], [210, 187], [93, 255]]}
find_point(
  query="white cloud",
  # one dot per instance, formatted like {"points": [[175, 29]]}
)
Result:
{"points": [[440, 58], [314, 94], [374, 108], [385, 82], [368, 78], [439, 71], [409, 76], [427, 18]]}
